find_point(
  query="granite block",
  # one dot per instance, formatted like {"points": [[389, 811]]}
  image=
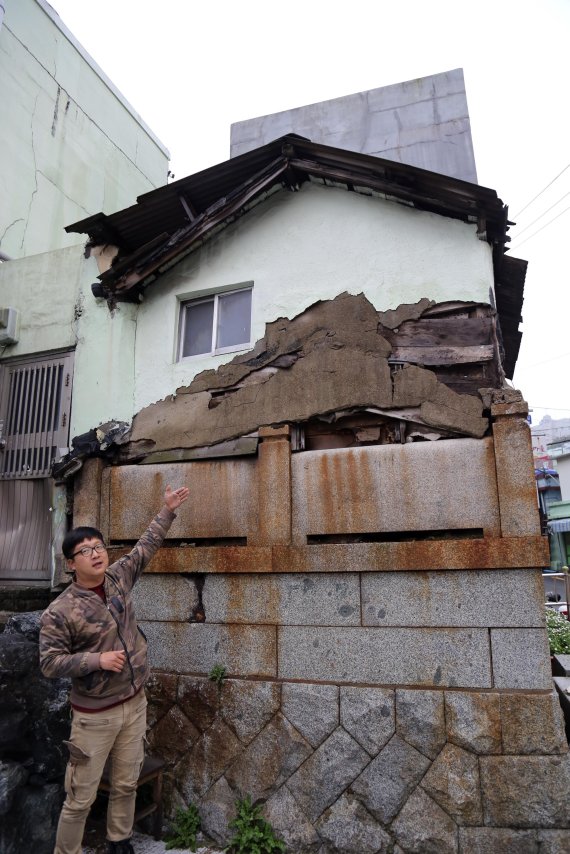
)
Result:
{"points": [[289, 822], [195, 648], [349, 828], [325, 775], [441, 657], [532, 724], [475, 598], [205, 763], [515, 477], [521, 658], [312, 709], [368, 715], [424, 828], [269, 760], [417, 486], [248, 706], [287, 599], [165, 598], [420, 720], [387, 782], [497, 840], [526, 791], [473, 720], [453, 783]]}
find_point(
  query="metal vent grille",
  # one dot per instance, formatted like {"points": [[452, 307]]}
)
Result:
{"points": [[35, 400]]}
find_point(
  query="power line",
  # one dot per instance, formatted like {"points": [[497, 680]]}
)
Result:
{"points": [[528, 204], [543, 362], [541, 215], [550, 221]]}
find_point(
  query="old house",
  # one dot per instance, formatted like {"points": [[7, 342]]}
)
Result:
{"points": [[362, 548]]}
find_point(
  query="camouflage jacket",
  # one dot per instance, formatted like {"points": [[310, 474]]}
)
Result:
{"points": [[78, 626]]}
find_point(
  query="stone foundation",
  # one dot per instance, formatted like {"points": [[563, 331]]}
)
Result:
{"points": [[379, 611], [363, 769]]}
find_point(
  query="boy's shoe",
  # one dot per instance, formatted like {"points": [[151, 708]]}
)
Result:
{"points": [[122, 847]]}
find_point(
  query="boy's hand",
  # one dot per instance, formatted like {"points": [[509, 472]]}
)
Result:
{"points": [[174, 498], [112, 660]]}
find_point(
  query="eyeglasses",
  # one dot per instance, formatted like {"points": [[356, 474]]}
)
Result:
{"points": [[87, 551]]}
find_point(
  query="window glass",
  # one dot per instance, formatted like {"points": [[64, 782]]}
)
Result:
{"points": [[234, 319], [198, 328]]}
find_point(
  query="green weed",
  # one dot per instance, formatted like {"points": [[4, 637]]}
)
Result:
{"points": [[253, 834], [186, 826]]}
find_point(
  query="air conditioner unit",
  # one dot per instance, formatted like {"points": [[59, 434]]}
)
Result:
{"points": [[9, 326]]}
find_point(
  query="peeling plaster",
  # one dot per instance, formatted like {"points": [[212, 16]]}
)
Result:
{"points": [[329, 358]]}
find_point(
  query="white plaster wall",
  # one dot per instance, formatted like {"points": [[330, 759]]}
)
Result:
{"points": [[71, 145], [302, 247], [52, 292]]}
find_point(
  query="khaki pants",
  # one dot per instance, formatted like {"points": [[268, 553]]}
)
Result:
{"points": [[116, 733]]}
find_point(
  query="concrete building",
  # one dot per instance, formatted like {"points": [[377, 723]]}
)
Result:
{"points": [[71, 143], [423, 122]]}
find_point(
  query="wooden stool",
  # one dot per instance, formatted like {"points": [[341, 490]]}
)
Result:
{"points": [[151, 771]]}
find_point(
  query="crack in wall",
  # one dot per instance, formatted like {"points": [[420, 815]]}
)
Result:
{"points": [[35, 190], [8, 227]]}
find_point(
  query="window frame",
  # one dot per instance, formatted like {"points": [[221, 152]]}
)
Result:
{"points": [[214, 296]]}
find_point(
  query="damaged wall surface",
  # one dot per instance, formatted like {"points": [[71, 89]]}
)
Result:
{"points": [[340, 355], [296, 249]]}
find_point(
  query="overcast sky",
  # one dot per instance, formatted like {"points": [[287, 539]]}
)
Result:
{"points": [[190, 69]]}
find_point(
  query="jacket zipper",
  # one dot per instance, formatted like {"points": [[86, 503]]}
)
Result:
{"points": [[132, 679]]}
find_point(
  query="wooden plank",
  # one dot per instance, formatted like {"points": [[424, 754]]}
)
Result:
{"points": [[450, 331], [443, 355]]}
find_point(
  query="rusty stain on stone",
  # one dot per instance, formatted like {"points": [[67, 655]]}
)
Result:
{"points": [[484, 553]]}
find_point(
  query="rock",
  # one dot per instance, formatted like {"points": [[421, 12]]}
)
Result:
{"points": [[199, 699], [389, 779], [554, 841], [21, 834], [532, 724], [26, 624], [499, 840], [420, 720], [368, 715], [13, 726], [312, 709], [526, 791], [424, 828], [248, 706], [217, 809], [18, 655], [290, 823], [326, 774], [453, 782], [12, 776], [207, 760], [161, 691], [350, 829], [474, 721], [173, 736], [269, 760]]}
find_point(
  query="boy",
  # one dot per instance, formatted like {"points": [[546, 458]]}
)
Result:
{"points": [[90, 633]]}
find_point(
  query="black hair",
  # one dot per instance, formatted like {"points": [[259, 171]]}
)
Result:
{"points": [[78, 535]]}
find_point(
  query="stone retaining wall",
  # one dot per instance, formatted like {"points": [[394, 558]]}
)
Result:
{"points": [[379, 611]]}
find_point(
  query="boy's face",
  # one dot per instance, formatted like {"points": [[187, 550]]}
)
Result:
{"points": [[89, 568]]}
